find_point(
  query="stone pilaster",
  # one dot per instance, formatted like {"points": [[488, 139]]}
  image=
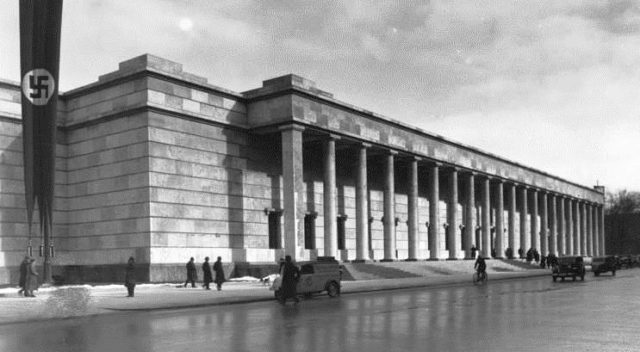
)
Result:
{"points": [[578, 229], [485, 247], [583, 228], [413, 209], [389, 208], [499, 201], [362, 205], [603, 250], [292, 190], [469, 223], [329, 190], [434, 223], [452, 209], [525, 242], [589, 230]]}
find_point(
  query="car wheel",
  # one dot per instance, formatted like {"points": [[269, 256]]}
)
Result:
{"points": [[277, 294], [332, 289]]}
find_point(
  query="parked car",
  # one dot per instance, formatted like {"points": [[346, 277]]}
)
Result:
{"points": [[604, 264], [569, 267], [325, 274], [625, 261]]}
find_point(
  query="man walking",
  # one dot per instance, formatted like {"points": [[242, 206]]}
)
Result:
{"points": [[290, 277], [217, 267], [24, 265], [206, 272], [130, 277], [192, 273]]}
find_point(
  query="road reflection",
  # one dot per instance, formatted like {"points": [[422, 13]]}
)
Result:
{"points": [[526, 315]]}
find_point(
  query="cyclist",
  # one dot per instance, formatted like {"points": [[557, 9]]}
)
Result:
{"points": [[481, 267]]}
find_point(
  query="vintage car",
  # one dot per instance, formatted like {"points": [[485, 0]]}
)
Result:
{"points": [[603, 264], [325, 274], [569, 267]]}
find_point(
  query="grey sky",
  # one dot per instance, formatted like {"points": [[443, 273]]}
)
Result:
{"points": [[550, 84]]}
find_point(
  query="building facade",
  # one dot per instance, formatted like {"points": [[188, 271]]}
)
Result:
{"points": [[156, 163]]}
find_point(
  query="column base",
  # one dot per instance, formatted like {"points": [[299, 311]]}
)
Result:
{"points": [[434, 259], [411, 260], [387, 260], [452, 259]]}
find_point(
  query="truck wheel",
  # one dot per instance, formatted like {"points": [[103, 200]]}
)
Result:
{"points": [[332, 289]]}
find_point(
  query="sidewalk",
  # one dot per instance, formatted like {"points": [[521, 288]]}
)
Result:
{"points": [[111, 298]]}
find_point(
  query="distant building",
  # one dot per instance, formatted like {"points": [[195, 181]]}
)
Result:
{"points": [[156, 163]]}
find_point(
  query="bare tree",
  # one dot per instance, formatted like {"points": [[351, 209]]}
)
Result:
{"points": [[622, 202]]}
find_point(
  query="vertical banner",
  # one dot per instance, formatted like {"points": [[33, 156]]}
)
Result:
{"points": [[40, 22]]}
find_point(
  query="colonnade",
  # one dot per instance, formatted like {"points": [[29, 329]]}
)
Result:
{"points": [[549, 222]]}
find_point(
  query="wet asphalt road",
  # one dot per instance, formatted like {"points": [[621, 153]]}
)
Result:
{"points": [[600, 314]]}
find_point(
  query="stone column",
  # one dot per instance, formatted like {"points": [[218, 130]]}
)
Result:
{"points": [[535, 231], [589, 230], [514, 242], [562, 227], [577, 228], [413, 209], [596, 239], [469, 224], [485, 247], [389, 209], [553, 225], [524, 229], [293, 190], [603, 234], [571, 235], [544, 224], [452, 210], [329, 190], [583, 228], [499, 195], [434, 199], [362, 206]]}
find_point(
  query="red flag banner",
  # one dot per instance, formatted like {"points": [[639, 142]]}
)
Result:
{"points": [[40, 22]]}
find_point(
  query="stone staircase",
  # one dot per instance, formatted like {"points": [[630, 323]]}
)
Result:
{"points": [[402, 269]]}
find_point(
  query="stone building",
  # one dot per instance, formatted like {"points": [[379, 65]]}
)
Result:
{"points": [[156, 163]]}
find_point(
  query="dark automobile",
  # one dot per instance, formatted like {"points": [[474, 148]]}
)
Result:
{"points": [[625, 262], [569, 267], [604, 264]]}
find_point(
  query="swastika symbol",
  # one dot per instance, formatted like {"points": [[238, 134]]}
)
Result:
{"points": [[38, 86]]}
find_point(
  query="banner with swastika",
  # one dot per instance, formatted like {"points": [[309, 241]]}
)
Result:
{"points": [[40, 22]]}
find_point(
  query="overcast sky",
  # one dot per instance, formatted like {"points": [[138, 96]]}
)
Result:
{"points": [[554, 85]]}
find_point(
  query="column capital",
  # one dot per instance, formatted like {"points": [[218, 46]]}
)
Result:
{"points": [[365, 145], [333, 137], [291, 127], [435, 164], [391, 152]]}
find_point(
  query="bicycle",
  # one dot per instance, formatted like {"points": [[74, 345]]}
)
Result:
{"points": [[479, 279]]}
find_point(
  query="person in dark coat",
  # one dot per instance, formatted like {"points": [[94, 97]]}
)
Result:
{"points": [[290, 276], [521, 253], [536, 255], [130, 277], [529, 255], [206, 272], [543, 262], [24, 266], [473, 251], [31, 280], [217, 267], [192, 273]]}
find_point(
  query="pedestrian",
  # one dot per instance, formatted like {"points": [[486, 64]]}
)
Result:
{"points": [[543, 262], [217, 267], [192, 273], [536, 255], [520, 252], [290, 277], [31, 279], [529, 255], [24, 266], [206, 272], [473, 251], [130, 277], [509, 253]]}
